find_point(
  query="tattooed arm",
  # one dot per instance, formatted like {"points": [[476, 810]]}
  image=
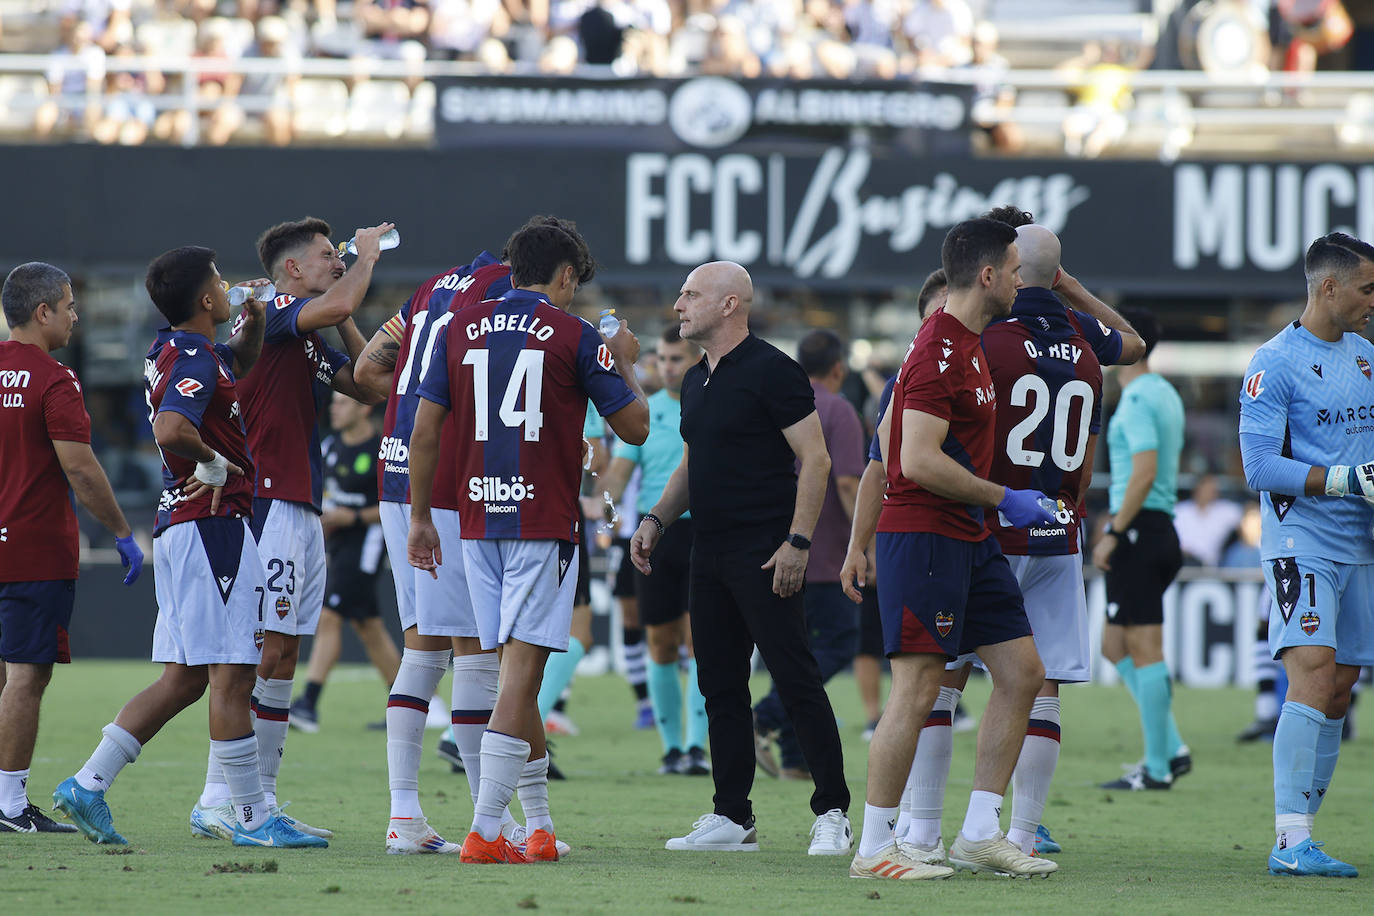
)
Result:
{"points": [[373, 368]]}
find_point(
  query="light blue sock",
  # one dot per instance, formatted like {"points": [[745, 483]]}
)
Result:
{"points": [[665, 692], [1152, 696], [1295, 757], [1126, 668], [1175, 740], [558, 673], [1328, 749], [697, 725]]}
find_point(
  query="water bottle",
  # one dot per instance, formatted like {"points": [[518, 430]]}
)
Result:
{"points": [[390, 239], [608, 324], [1052, 506], [238, 295]]}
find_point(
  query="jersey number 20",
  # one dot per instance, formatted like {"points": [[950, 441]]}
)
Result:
{"points": [[1032, 391]]}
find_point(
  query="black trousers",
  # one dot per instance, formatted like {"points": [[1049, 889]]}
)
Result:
{"points": [[734, 609]]}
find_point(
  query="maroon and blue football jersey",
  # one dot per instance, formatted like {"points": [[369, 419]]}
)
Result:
{"points": [[282, 397], [1045, 365], [945, 374], [416, 328], [189, 374], [516, 374]]}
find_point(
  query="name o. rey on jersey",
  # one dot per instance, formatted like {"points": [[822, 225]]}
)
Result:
{"points": [[1052, 391], [415, 329]]}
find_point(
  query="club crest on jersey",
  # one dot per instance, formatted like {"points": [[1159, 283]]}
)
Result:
{"points": [[1254, 385], [944, 622], [1309, 622], [283, 607], [258, 639], [189, 387], [1363, 364]]}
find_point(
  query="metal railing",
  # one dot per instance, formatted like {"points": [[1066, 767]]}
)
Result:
{"points": [[1261, 99]]}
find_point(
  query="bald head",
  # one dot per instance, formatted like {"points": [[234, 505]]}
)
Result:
{"points": [[1040, 252], [714, 305], [726, 278]]}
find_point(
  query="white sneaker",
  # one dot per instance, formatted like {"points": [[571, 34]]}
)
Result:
{"points": [[518, 833], [406, 836], [302, 826], [831, 835], [930, 855], [997, 855], [891, 862], [717, 833], [439, 715], [213, 823]]}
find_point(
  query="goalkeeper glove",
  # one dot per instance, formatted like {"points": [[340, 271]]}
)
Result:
{"points": [[1345, 480]]}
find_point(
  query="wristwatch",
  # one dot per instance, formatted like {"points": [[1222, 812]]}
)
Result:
{"points": [[799, 542]]}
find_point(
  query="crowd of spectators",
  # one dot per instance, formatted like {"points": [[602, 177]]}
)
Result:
{"points": [[794, 39], [87, 95]]}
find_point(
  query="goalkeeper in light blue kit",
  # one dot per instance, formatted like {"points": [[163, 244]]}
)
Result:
{"points": [[1308, 399]]}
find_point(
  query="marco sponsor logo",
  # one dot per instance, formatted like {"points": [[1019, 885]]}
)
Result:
{"points": [[500, 495]]}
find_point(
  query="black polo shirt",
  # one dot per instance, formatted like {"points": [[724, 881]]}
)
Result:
{"points": [[742, 477]]}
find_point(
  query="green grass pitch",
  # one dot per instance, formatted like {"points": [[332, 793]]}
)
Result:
{"points": [[1200, 848]]}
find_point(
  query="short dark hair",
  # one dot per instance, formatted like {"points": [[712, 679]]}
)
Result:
{"points": [[819, 351], [930, 289], [1145, 324], [1335, 253], [536, 249], [282, 238], [673, 334], [30, 285], [972, 245], [1010, 214], [175, 279]]}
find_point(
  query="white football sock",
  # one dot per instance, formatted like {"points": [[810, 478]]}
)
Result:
{"points": [[406, 709], [930, 770], [1034, 771], [14, 796], [984, 818], [238, 761], [877, 830], [503, 764], [475, 679], [273, 710], [116, 750], [533, 790], [216, 791]]}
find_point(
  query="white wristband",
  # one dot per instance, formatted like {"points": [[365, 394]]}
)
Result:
{"points": [[213, 472]]}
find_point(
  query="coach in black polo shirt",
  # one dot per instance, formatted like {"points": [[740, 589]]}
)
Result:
{"points": [[748, 415]]}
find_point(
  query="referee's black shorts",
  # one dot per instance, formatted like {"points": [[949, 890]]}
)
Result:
{"points": [[663, 595], [1145, 561]]}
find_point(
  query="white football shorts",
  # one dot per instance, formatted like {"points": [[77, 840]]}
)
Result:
{"points": [[522, 590], [291, 546], [396, 529], [443, 606], [210, 597], [1057, 608]]}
